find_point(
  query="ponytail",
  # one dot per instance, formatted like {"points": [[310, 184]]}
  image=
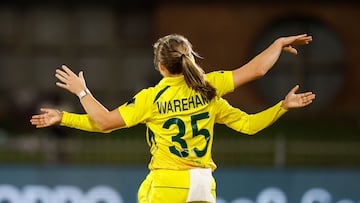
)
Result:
{"points": [[195, 78], [176, 54]]}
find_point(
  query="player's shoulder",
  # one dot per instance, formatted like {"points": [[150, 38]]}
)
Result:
{"points": [[218, 74], [146, 92], [220, 102], [150, 93]]}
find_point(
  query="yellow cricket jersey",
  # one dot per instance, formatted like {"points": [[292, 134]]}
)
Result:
{"points": [[222, 80], [180, 121]]}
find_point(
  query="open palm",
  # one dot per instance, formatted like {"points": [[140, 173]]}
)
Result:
{"points": [[293, 100], [49, 117]]}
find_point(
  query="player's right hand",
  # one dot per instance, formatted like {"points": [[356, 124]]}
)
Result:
{"points": [[49, 117], [297, 100]]}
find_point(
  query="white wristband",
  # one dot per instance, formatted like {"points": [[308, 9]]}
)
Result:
{"points": [[83, 93]]}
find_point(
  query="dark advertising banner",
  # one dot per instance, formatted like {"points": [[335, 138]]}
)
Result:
{"points": [[29, 184], [288, 186]]}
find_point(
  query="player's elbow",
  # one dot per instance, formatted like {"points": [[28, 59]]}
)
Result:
{"points": [[252, 133], [105, 127], [260, 72], [247, 131], [110, 122]]}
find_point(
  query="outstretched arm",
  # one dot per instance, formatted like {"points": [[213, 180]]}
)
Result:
{"points": [[104, 119], [264, 61], [253, 123], [51, 117], [292, 100]]}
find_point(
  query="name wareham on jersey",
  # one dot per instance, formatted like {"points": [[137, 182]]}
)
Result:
{"points": [[183, 104]]}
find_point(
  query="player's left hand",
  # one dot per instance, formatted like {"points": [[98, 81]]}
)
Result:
{"points": [[293, 100], [69, 80], [288, 42]]}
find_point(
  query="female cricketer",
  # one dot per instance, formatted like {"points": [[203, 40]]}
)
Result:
{"points": [[180, 113]]}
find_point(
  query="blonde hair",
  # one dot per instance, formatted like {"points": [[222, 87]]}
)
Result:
{"points": [[175, 53]]}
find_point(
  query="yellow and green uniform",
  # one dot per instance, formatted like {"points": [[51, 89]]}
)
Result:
{"points": [[179, 122], [180, 126]]}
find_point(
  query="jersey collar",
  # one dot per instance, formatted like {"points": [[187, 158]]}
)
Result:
{"points": [[179, 80]]}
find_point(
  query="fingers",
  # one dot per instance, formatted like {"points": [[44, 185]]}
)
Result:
{"points": [[293, 100], [307, 98], [45, 110], [290, 49], [69, 81], [306, 94], [305, 40], [66, 77], [67, 70], [294, 89], [305, 103], [64, 74], [81, 76], [308, 39], [38, 121], [299, 39], [64, 86], [40, 116], [301, 36], [63, 77]]}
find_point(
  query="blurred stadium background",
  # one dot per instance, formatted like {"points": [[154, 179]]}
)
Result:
{"points": [[112, 42]]}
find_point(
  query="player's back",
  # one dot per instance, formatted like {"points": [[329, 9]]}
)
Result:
{"points": [[180, 129]]}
